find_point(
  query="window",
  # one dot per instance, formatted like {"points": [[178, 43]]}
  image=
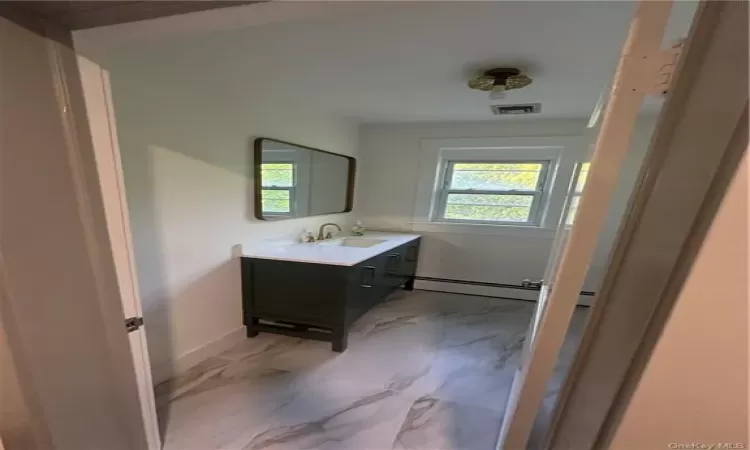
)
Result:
{"points": [[492, 192], [277, 194], [575, 196]]}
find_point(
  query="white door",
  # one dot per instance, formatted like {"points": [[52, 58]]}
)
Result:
{"points": [[573, 248], [98, 99], [548, 281]]}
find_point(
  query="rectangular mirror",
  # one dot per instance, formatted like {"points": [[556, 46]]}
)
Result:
{"points": [[296, 181]]}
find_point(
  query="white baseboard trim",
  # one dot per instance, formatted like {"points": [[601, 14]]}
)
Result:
{"points": [[488, 291], [164, 371]]}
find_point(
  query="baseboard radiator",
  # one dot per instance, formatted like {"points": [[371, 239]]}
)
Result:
{"points": [[487, 284]]}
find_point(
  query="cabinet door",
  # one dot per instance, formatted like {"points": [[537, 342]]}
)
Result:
{"points": [[295, 291], [367, 281], [364, 288], [382, 282], [394, 263], [411, 256]]}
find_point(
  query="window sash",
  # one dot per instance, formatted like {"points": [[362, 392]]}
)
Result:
{"points": [[291, 189], [535, 210], [451, 163], [292, 169], [292, 200]]}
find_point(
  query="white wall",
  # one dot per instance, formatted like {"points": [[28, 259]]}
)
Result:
{"points": [[387, 189], [694, 388], [186, 150]]}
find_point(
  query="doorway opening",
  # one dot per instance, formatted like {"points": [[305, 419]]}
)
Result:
{"points": [[430, 368]]}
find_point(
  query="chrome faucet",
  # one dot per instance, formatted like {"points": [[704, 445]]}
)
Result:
{"points": [[328, 235]]}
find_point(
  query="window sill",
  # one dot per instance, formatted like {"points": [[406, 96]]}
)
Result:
{"points": [[484, 229]]}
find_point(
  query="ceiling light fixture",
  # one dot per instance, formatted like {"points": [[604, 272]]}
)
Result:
{"points": [[499, 80]]}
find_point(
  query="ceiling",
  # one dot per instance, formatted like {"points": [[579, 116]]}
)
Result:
{"points": [[409, 61], [77, 15]]}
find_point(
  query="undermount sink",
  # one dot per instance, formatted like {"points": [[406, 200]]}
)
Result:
{"points": [[354, 242]]}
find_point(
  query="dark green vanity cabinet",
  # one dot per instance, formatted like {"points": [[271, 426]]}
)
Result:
{"points": [[320, 301]]}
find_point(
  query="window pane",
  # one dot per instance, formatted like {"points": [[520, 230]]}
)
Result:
{"points": [[582, 175], [277, 174], [488, 207], [275, 201], [572, 210], [496, 176]]}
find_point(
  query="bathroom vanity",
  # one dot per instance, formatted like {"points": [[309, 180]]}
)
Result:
{"points": [[317, 290]]}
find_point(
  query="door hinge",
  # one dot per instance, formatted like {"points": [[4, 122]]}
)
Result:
{"points": [[133, 323]]}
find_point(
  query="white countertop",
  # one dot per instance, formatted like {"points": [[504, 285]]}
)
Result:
{"points": [[324, 252]]}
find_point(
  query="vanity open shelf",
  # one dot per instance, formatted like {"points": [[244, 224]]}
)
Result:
{"points": [[317, 290]]}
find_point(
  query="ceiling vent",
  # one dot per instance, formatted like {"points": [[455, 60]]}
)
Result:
{"points": [[527, 108]]}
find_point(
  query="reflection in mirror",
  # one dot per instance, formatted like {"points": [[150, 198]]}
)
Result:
{"points": [[296, 181]]}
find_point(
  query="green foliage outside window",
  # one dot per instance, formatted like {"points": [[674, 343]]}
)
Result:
{"points": [[275, 201], [486, 207], [500, 207], [496, 176], [277, 175]]}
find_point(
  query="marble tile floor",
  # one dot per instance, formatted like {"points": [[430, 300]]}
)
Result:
{"points": [[424, 370]]}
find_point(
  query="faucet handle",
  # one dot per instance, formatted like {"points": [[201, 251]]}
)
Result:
{"points": [[329, 235]]}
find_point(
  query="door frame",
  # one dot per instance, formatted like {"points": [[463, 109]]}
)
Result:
{"points": [[125, 402], [638, 73], [57, 331], [676, 198], [677, 164]]}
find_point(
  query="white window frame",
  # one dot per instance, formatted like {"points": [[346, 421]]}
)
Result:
{"points": [[539, 195], [564, 151]]}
